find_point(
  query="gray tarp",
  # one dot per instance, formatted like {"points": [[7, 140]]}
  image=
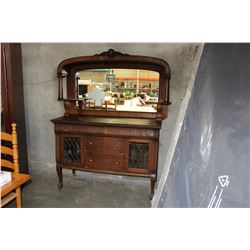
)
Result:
{"points": [[210, 165]]}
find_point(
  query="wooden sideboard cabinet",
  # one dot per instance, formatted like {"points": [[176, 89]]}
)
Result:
{"points": [[114, 106], [120, 146]]}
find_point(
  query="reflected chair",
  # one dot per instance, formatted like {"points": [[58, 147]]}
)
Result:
{"points": [[89, 104], [109, 106], [12, 189]]}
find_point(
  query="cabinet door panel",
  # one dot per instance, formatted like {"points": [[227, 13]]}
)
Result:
{"points": [[139, 157], [72, 150]]}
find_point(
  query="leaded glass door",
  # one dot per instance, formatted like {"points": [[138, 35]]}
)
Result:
{"points": [[138, 155], [71, 150]]}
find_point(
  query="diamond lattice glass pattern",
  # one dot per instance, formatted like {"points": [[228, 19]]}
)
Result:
{"points": [[72, 149], [138, 155]]}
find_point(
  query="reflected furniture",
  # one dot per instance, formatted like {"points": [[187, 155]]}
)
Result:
{"points": [[12, 189], [108, 140]]}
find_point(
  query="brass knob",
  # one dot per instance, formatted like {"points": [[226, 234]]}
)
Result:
{"points": [[117, 145], [90, 160], [116, 163], [90, 143]]}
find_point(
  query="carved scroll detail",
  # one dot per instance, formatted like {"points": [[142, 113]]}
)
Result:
{"points": [[111, 53]]}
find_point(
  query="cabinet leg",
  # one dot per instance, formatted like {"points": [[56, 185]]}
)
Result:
{"points": [[73, 172], [153, 181], [60, 177]]}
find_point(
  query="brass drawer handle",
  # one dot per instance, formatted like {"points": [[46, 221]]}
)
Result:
{"points": [[90, 143], [117, 145]]}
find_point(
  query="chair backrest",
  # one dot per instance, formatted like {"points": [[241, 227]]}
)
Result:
{"points": [[13, 151]]}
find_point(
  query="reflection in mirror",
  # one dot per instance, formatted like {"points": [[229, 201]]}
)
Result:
{"points": [[119, 89]]}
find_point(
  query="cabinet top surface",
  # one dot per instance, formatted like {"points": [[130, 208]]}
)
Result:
{"points": [[108, 121]]}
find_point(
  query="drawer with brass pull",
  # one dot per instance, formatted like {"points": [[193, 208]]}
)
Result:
{"points": [[104, 144], [104, 162]]}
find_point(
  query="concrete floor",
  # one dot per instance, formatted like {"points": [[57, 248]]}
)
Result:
{"points": [[84, 190]]}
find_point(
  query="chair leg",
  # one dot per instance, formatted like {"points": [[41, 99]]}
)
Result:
{"points": [[18, 198]]}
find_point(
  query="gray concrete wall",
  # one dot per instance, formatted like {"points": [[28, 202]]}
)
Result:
{"points": [[40, 62]]}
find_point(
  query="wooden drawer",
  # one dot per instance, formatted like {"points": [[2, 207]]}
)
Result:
{"points": [[104, 145], [104, 162]]}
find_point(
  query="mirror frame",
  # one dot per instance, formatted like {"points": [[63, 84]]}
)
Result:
{"points": [[112, 59]]}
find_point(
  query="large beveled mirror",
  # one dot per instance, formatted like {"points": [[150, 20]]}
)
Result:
{"points": [[134, 90], [114, 84]]}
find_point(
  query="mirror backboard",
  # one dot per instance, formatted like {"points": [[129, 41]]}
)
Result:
{"points": [[114, 84]]}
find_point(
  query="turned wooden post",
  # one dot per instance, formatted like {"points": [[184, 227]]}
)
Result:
{"points": [[15, 148]]}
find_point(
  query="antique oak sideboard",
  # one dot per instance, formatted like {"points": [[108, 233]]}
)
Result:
{"points": [[114, 106]]}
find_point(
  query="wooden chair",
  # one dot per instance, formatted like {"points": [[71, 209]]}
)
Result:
{"points": [[12, 189], [89, 104], [109, 105]]}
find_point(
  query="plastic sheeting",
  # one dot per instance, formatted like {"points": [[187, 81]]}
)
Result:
{"points": [[210, 166]]}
